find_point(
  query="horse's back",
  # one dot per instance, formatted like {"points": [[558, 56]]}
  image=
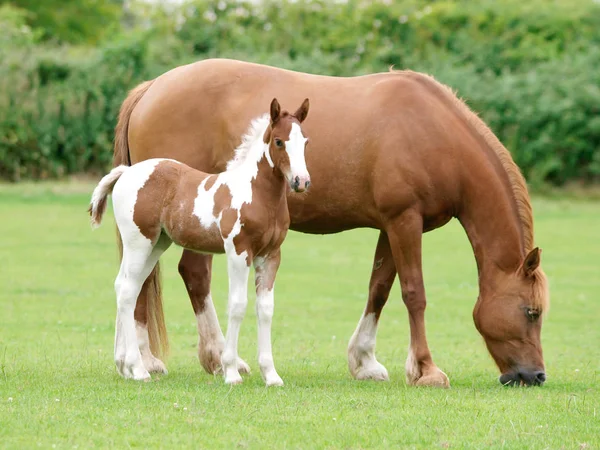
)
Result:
{"points": [[380, 141]]}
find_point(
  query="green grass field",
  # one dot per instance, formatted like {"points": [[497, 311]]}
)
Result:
{"points": [[59, 387]]}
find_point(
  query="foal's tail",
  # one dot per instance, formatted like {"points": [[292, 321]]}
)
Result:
{"points": [[105, 187]]}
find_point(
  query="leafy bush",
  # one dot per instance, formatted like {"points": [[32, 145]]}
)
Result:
{"points": [[529, 68]]}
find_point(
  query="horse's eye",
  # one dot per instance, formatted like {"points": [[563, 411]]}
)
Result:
{"points": [[278, 142], [532, 314]]}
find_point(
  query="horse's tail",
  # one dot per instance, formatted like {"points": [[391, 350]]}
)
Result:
{"points": [[150, 297], [105, 187]]}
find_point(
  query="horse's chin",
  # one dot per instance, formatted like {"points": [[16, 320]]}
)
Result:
{"points": [[521, 379]]}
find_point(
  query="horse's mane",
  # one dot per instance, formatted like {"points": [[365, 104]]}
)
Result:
{"points": [[540, 295], [515, 178], [250, 139]]}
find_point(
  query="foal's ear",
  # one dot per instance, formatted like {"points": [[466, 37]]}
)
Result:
{"points": [[531, 261], [275, 110], [302, 111]]}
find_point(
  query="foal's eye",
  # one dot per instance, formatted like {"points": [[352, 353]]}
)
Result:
{"points": [[278, 142], [532, 314]]}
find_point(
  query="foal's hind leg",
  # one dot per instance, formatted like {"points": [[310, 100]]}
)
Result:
{"points": [[139, 259], [195, 270], [361, 350], [266, 270]]}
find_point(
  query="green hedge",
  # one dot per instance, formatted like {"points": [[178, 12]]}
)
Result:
{"points": [[529, 68]]}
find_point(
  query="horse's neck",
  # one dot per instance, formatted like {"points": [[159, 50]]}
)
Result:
{"points": [[491, 221]]}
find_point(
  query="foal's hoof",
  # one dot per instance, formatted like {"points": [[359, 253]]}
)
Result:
{"points": [[233, 378], [434, 379], [273, 380], [243, 367], [132, 371]]}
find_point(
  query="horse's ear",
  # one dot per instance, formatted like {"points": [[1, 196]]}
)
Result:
{"points": [[302, 111], [275, 110], [531, 261]]}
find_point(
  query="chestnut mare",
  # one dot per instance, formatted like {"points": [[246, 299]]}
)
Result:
{"points": [[241, 212], [406, 156]]}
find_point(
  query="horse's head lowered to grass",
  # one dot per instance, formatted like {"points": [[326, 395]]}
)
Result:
{"points": [[508, 314]]}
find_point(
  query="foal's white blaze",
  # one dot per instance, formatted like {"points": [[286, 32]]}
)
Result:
{"points": [[361, 351], [295, 147]]}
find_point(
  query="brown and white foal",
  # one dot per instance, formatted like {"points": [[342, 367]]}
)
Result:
{"points": [[241, 212]]}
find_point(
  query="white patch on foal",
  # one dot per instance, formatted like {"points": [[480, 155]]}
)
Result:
{"points": [[361, 351]]}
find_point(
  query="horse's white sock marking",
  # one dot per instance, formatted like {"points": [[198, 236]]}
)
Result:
{"points": [[210, 338], [361, 351], [151, 362], [413, 372], [238, 270]]}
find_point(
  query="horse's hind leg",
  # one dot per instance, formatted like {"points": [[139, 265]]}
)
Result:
{"points": [[405, 235], [138, 262], [266, 270], [195, 270], [361, 350]]}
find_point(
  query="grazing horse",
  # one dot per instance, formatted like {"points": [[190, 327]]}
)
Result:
{"points": [[406, 156], [241, 212]]}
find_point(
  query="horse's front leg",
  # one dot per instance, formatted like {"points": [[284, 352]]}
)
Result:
{"points": [[238, 268], [195, 270], [266, 270], [405, 235]]}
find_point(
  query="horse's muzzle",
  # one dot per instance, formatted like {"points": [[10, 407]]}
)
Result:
{"points": [[523, 378], [300, 183]]}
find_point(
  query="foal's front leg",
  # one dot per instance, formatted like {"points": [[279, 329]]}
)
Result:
{"points": [[238, 269], [266, 270]]}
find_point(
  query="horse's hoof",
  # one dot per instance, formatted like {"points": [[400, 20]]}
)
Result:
{"points": [[210, 360], [373, 371], [155, 365], [434, 379]]}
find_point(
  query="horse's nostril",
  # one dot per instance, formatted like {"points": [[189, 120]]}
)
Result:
{"points": [[297, 180], [307, 184], [540, 377]]}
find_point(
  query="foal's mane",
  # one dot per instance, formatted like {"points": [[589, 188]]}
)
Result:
{"points": [[250, 141], [515, 178]]}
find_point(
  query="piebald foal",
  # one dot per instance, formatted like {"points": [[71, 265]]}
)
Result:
{"points": [[241, 212]]}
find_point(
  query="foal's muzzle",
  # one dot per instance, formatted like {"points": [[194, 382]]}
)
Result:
{"points": [[300, 183], [523, 377]]}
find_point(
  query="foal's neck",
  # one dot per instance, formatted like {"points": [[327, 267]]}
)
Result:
{"points": [[491, 220], [270, 182]]}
